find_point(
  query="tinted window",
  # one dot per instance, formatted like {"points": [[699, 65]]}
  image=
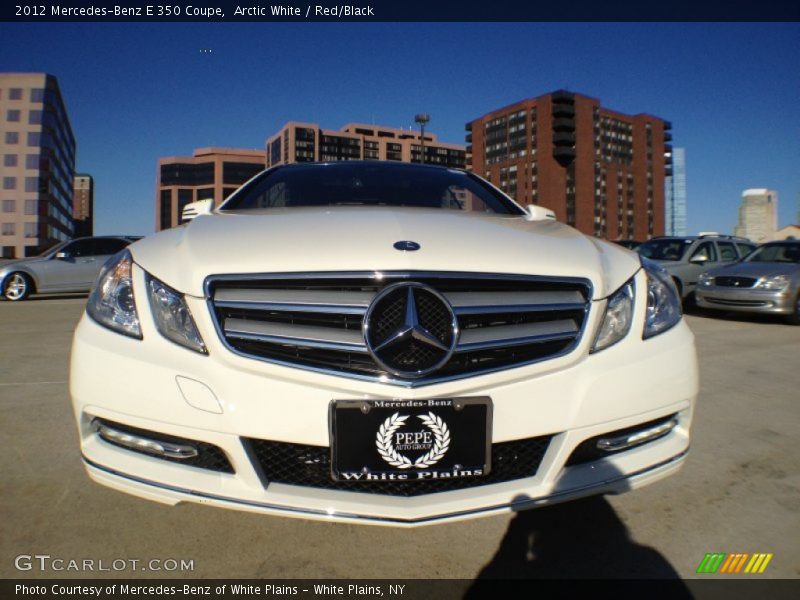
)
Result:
{"points": [[782, 253], [745, 249], [664, 249], [707, 249], [79, 248], [727, 252], [108, 246], [371, 184]]}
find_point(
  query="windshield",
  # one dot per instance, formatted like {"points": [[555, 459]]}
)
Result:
{"points": [[673, 249], [780, 253], [370, 184]]}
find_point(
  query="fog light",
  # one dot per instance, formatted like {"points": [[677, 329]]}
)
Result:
{"points": [[623, 442], [143, 444]]}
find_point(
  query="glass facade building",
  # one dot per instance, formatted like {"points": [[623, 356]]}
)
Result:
{"points": [[675, 195]]}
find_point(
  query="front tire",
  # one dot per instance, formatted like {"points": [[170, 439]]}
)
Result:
{"points": [[794, 318], [17, 286]]}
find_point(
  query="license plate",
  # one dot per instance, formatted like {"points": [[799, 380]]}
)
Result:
{"points": [[380, 440]]}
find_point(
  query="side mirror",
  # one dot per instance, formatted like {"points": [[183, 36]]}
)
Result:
{"points": [[61, 255], [699, 259], [539, 213], [195, 209]]}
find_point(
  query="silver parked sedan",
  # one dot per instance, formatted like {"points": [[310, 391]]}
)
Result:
{"points": [[767, 281], [70, 266]]}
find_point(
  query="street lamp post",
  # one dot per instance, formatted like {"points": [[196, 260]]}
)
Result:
{"points": [[422, 119]]}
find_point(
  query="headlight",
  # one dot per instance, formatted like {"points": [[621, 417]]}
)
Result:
{"points": [[774, 283], [111, 302], [705, 280], [663, 303], [173, 319], [617, 318]]}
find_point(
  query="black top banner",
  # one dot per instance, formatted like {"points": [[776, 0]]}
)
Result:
{"points": [[366, 11]]}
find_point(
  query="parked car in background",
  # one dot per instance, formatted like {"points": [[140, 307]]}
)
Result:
{"points": [[685, 258], [629, 244], [70, 266], [766, 282]]}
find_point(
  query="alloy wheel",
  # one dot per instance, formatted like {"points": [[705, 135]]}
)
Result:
{"points": [[16, 287]]}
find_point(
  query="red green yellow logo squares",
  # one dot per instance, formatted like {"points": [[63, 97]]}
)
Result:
{"points": [[734, 563]]}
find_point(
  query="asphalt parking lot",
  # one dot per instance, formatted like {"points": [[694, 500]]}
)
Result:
{"points": [[739, 491]]}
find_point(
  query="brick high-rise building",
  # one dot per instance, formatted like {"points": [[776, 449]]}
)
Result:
{"points": [[601, 171], [37, 164], [306, 142], [209, 173], [83, 205]]}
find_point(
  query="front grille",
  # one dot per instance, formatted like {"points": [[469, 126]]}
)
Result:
{"points": [[314, 321], [740, 282], [208, 457], [310, 466], [742, 303]]}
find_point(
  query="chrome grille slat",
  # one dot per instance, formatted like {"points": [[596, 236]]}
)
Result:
{"points": [[516, 335], [295, 307], [304, 300], [510, 300], [514, 308], [296, 335], [314, 321]]}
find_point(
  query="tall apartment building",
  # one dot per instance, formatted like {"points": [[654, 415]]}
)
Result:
{"points": [[37, 150], [83, 204], [209, 173], [306, 142], [601, 171], [675, 195], [758, 215]]}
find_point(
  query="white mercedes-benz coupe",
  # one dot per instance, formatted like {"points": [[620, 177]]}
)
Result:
{"points": [[380, 343]]}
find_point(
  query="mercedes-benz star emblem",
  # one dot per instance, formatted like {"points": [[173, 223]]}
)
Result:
{"points": [[410, 329], [406, 246]]}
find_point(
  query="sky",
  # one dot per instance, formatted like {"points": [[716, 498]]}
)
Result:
{"points": [[137, 92]]}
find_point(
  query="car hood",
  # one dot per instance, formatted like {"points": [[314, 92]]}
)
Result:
{"points": [[756, 269], [362, 239]]}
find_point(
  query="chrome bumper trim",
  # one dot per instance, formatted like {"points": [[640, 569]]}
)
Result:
{"points": [[515, 505]]}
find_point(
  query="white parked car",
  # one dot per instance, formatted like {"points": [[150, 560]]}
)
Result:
{"points": [[381, 343]]}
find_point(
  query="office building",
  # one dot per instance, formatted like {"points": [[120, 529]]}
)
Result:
{"points": [[37, 165], [675, 194], [758, 215], [600, 170], [83, 205], [213, 173], [306, 142]]}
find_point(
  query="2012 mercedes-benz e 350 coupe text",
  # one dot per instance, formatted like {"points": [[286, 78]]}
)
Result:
{"points": [[382, 343]]}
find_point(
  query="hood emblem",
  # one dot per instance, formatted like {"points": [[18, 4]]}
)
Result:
{"points": [[406, 246]]}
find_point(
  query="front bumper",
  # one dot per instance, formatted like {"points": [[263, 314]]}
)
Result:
{"points": [[143, 384], [745, 300]]}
